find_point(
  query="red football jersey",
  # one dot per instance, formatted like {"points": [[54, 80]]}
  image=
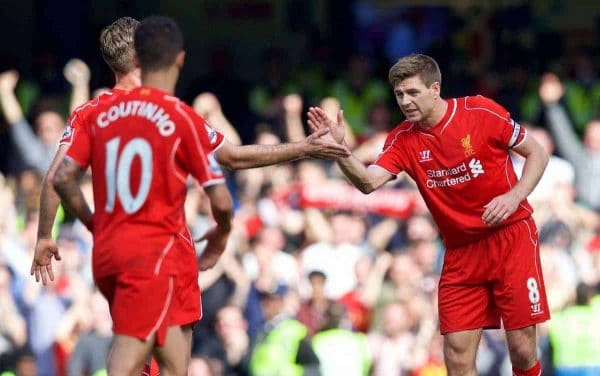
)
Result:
{"points": [[81, 112], [141, 146], [459, 165]]}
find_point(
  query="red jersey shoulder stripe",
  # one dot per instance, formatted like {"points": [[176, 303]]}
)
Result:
{"points": [[480, 102]]}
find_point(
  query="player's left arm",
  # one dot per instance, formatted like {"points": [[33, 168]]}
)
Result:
{"points": [[503, 206], [65, 184]]}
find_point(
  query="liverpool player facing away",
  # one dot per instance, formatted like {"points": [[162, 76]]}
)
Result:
{"points": [[457, 151], [141, 146], [116, 46]]}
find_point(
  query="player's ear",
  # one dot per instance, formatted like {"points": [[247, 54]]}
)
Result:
{"points": [[180, 59], [436, 87]]}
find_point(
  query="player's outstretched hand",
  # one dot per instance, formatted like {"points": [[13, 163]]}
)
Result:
{"points": [[500, 208], [8, 80], [77, 72], [217, 241], [551, 89], [41, 267], [321, 145], [318, 119]]}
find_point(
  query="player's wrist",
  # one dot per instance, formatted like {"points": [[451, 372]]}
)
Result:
{"points": [[43, 234]]}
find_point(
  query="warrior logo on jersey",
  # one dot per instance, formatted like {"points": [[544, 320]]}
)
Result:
{"points": [[466, 144], [424, 155]]}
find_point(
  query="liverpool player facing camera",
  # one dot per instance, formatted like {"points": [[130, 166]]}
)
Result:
{"points": [[457, 152], [141, 146]]}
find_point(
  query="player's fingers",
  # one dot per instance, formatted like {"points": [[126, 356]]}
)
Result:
{"points": [[57, 255], [489, 215], [343, 151], [320, 113], [499, 216], [486, 214], [340, 117], [312, 117], [37, 274], [334, 154], [317, 115], [50, 272], [44, 278], [504, 217], [32, 270], [312, 126], [321, 132]]}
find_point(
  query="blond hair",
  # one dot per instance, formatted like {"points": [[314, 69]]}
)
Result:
{"points": [[116, 44]]}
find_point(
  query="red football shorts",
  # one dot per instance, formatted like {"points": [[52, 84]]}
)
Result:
{"points": [[495, 278], [143, 305]]}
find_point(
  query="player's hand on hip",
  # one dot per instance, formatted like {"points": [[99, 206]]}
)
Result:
{"points": [[321, 145], [216, 242], [318, 119], [41, 267], [500, 208]]}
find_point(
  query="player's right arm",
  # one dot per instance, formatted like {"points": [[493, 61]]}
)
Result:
{"points": [[74, 163], [45, 247], [366, 179], [65, 184]]}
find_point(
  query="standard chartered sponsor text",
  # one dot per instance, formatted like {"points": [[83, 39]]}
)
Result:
{"points": [[453, 176], [148, 110]]}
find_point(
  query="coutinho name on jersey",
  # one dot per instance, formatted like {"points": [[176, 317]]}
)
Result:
{"points": [[453, 176], [148, 110]]}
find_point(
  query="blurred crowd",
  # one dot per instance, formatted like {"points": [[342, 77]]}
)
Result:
{"points": [[317, 278]]}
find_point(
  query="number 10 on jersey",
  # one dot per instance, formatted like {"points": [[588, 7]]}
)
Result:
{"points": [[118, 172]]}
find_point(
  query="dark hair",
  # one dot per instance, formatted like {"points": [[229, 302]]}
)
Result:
{"points": [[416, 65], [158, 40], [116, 44]]}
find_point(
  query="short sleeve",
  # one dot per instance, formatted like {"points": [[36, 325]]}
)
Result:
{"points": [[67, 136], [391, 157], [503, 129], [80, 149], [199, 146], [215, 137]]}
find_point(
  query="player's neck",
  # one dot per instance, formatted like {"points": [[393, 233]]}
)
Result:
{"points": [[163, 80], [438, 113], [129, 80]]}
